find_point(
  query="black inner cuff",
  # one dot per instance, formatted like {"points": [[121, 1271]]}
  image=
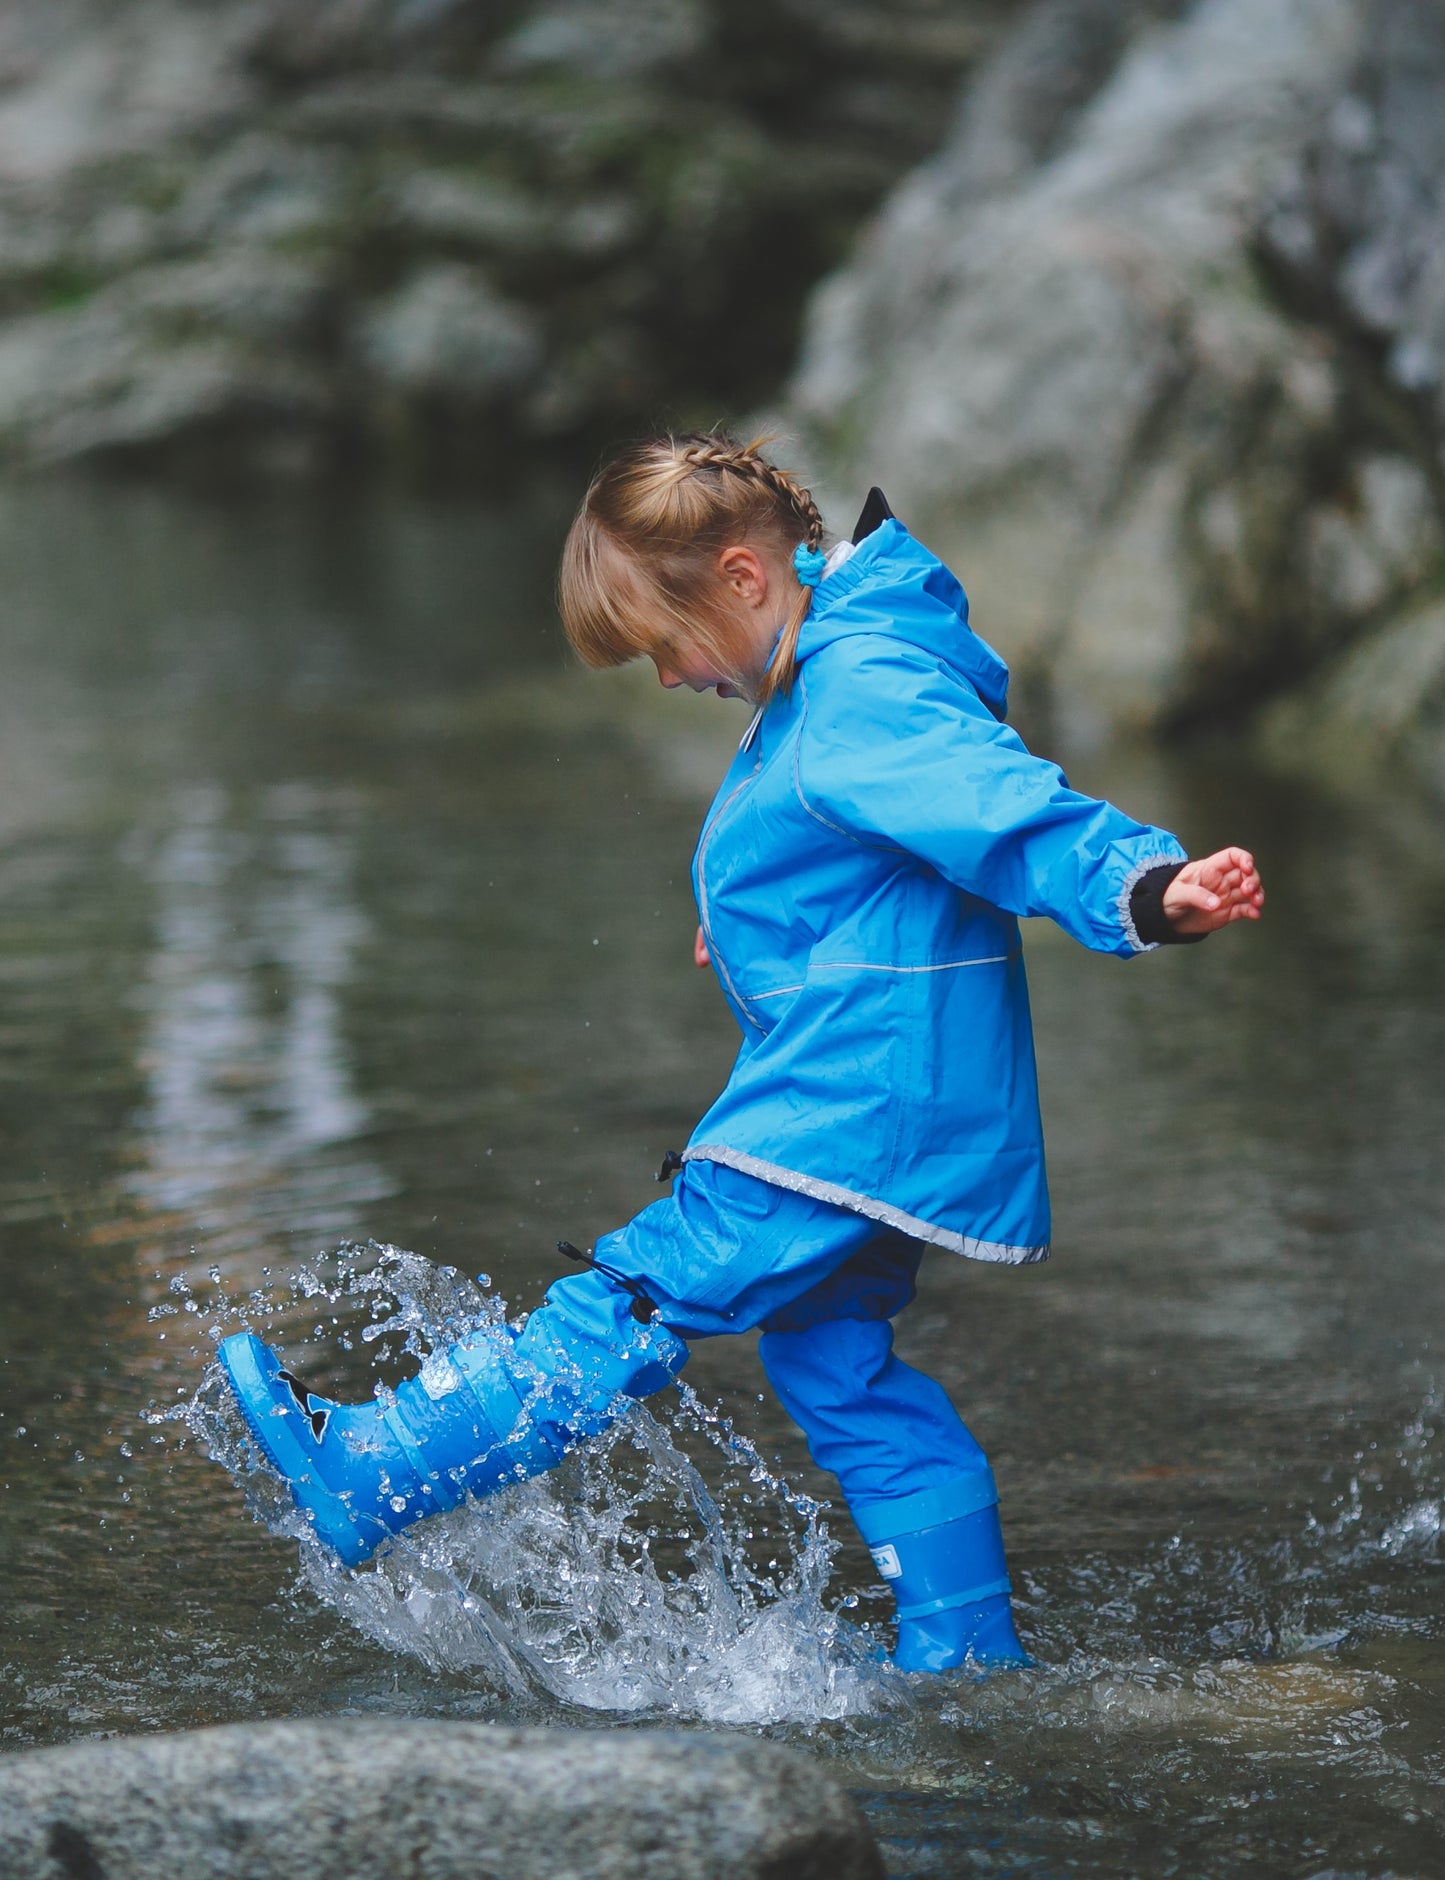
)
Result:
{"points": [[1146, 909]]}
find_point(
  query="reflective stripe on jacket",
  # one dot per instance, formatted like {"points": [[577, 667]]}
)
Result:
{"points": [[859, 878]]}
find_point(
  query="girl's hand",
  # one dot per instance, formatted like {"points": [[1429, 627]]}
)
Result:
{"points": [[1209, 894], [700, 954]]}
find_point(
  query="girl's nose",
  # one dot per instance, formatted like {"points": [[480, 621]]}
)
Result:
{"points": [[666, 677]]}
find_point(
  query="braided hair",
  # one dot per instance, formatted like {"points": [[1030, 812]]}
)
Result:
{"points": [[639, 568]]}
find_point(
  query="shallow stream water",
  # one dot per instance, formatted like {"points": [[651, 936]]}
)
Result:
{"points": [[337, 915]]}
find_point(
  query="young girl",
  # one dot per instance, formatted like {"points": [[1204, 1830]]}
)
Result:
{"points": [[859, 880]]}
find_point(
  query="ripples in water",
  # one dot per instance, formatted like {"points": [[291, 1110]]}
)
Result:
{"points": [[664, 1571]]}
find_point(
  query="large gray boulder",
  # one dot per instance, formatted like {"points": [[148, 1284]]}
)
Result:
{"points": [[354, 1799], [1154, 351]]}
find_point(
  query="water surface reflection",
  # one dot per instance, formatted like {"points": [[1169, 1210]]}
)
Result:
{"points": [[332, 906], [246, 1065]]}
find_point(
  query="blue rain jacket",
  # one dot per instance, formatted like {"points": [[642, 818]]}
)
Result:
{"points": [[859, 878]]}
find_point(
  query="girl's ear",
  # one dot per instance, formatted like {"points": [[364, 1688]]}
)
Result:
{"points": [[745, 573]]}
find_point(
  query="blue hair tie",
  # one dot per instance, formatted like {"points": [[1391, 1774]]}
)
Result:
{"points": [[808, 564]]}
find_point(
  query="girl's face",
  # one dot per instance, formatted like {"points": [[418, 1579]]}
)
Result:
{"points": [[752, 604], [692, 666]]}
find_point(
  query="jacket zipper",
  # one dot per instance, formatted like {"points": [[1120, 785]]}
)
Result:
{"points": [[707, 836]]}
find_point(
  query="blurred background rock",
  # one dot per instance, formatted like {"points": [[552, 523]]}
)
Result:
{"points": [[274, 236], [1154, 347], [1136, 308]]}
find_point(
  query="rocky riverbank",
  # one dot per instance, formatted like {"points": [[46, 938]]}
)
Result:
{"points": [[270, 236], [1155, 350]]}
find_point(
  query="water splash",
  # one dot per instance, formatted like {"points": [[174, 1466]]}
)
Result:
{"points": [[663, 1569]]}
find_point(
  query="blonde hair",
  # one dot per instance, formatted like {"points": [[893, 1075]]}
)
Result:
{"points": [[639, 570]]}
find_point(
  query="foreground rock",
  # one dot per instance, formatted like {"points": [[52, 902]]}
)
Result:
{"points": [[1155, 351], [354, 1799], [272, 236]]}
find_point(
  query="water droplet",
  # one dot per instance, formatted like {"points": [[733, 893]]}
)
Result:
{"points": [[525, 1592]]}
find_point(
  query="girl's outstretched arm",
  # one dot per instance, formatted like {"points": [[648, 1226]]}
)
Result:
{"points": [[1210, 893], [901, 752]]}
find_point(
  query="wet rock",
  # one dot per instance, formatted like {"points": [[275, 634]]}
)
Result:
{"points": [[207, 357], [262, 189], [357, 1799], [476, 213], [92, 84], [609, 39], [1149, 349], [448, 330], [1359, 223], [1377, 539]]}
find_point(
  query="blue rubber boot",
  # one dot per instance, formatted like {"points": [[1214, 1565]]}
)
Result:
{"points": [[941, 1552], [494, 1409]]}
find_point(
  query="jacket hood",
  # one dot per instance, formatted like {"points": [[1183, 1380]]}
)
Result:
{"points": [[891, 585]]}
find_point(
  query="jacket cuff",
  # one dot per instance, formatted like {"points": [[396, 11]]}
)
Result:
{"points": [[1146, 909]]}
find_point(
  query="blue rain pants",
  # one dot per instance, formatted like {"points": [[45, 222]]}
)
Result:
{"points": [[726, 1252]]}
